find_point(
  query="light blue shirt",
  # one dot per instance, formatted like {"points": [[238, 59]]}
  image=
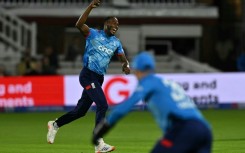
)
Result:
{"points": [[99, 50], [163, 97]]}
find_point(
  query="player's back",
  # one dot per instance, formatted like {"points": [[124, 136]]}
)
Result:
{"points": [[167, 100]]}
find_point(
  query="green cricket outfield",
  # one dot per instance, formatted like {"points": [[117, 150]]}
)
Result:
{"points": [[136, 133]]}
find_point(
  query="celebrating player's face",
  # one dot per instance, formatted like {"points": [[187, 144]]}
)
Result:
{"points": [[112, 26]]}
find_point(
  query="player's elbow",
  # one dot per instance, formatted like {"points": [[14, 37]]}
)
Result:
{"points": [[78, 26]]}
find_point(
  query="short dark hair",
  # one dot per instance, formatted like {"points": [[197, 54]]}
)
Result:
{"points": [[108, 18]]}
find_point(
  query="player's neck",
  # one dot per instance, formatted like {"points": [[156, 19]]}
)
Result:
{"points": [[108, 34], [143, 75]]}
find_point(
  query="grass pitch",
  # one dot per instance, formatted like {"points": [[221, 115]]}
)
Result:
{"points": [[136, 133]]}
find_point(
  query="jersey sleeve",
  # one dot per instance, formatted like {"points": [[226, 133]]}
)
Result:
{"points": [[122, 109], [92, 33], [119, 50]]}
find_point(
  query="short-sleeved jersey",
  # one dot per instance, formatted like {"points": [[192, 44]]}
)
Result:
{"points": [[99, 50], [164, 99]]}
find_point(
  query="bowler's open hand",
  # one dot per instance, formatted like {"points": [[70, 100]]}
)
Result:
{"points": [[126, 68], [95, 3]]}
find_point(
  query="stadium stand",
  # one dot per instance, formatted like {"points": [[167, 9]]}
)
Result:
{"points": [[18, 35], [76, 3], [170, 63], [46, 3]]}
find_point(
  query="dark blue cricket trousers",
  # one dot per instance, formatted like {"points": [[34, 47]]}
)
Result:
{"points": [[91, 82], [190, 136]]}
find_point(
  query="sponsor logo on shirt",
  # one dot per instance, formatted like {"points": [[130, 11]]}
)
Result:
{"points": [[104, 49]]}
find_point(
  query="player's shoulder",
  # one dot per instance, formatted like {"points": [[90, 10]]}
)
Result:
{"points": [[151, 80], [116, 39], [94, 30]]}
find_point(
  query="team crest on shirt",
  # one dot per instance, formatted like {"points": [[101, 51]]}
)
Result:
{"points": [[113, 43]]}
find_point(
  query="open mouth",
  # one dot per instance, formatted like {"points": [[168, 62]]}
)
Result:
{"points": [[114, 30]]}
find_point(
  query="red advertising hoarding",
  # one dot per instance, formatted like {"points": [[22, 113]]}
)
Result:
{"points": [[31, 91]]}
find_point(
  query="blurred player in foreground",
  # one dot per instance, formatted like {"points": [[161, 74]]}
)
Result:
{"points": [[185, 129], [101, 45]]}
